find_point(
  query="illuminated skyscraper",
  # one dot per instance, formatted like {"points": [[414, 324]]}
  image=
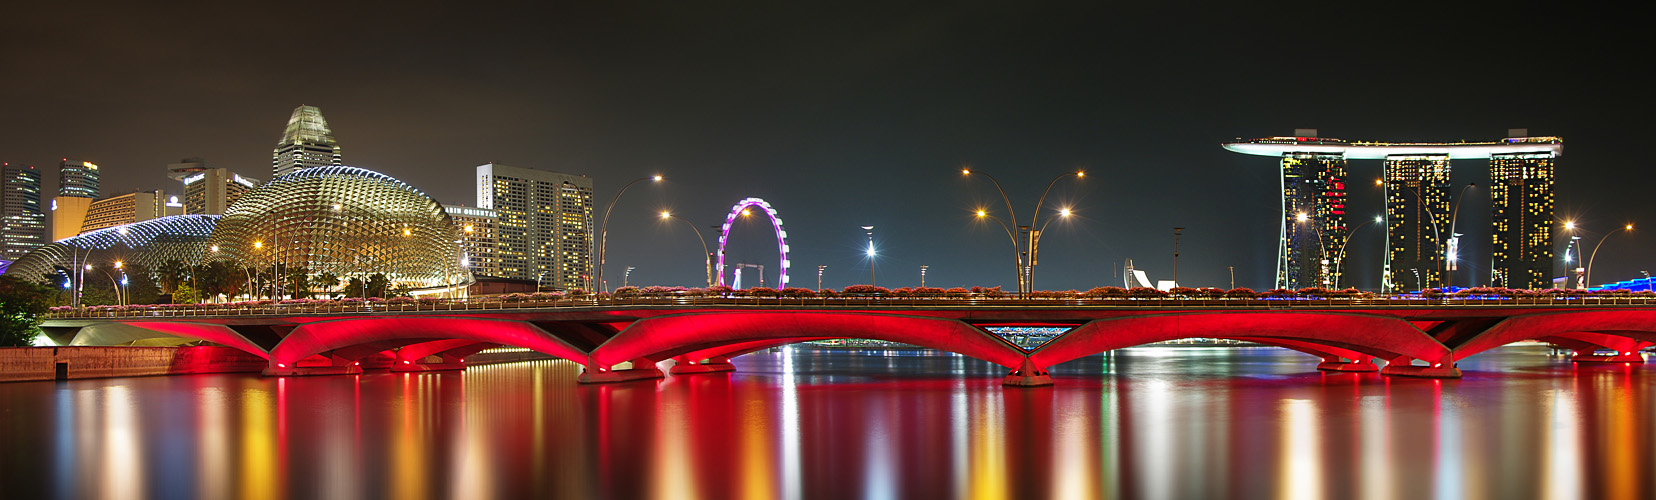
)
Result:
{"points": [[545, 223], [78, 179], [1521, 194], [77, 187], [1313, 223], [1418, 215], [479, 239], [207, 190], [1417, 219], [128, 208], [307, 142], [22, 225]]}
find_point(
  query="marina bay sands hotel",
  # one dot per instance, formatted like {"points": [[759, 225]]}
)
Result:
{"points": [[1421, 235]]}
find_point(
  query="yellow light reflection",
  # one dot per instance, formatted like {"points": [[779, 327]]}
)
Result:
{"points": [[989, 447], [1301, 468], [759, 476], [258, 464]]}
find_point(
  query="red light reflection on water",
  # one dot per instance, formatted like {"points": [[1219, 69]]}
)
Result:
{"points": [[1147, 423]]}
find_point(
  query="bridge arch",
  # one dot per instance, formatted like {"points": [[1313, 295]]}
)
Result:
{"points": [[776, 222], [1378, 336], [1600, 328], [356, 337], [661, 337]]}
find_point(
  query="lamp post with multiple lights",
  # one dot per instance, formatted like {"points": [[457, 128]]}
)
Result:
{"points": [[1027, 253], [871, 254], [1302, 217], [1339, 257]]}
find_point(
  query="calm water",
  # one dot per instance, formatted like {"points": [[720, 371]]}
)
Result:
{"points": [[1140, 423]]}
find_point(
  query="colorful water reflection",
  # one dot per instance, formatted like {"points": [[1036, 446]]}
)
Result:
{"points": [[810, 423]]}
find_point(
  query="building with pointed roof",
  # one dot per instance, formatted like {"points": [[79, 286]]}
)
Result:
{"points": [[307, 142]]}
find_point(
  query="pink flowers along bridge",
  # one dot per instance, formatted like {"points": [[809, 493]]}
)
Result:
{"points": [[624, 339]]}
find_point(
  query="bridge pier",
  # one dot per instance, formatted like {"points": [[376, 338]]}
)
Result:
{"points": [[683, 366], [1403, 367], [641, 369], [314, 365], [1619, 357], [426, 364], [1027, 375], [1339, 364]]}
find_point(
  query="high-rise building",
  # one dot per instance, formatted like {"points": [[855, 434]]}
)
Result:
{"points": [[1313, 222], [129, 208], [1417, 220], [479, 239], [307, 142], [77, 187], [207, 190], [78, 179], [1521, 193], [544, 222], [22, 225]]}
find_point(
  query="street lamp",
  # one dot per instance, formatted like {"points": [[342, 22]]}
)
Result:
{"points": [[870, 230], [819, 277], [1589, 281], [603, 231], [708, 256], [1449, 257], [922, 276], [1339, 257], [1016, 253], [1027, 253], [626, 275], [1324, 257]]}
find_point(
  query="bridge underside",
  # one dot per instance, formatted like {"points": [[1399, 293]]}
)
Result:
{"points": [[619, 346]]}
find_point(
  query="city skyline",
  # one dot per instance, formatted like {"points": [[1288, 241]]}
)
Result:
{"points": [[843, 129]]}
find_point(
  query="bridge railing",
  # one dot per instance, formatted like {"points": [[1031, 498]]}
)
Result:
{"points": [[326, 307]]}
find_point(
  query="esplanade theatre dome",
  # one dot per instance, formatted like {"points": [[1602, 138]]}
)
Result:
{"points": [[347, 221]]}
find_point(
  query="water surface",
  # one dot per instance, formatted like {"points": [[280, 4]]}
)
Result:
{"points": [[832, 423]]}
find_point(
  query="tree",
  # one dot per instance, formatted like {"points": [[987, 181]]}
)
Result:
{"points": [[184, 294], [172, 273], [21, 304], [327, 282]]}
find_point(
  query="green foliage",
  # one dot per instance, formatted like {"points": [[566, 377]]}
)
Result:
{"points": [[21, 304], [184, 294]]}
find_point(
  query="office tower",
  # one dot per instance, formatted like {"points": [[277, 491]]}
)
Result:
{"points": [[22, 225], [77, 179], [307, 142], [129, 208], [544, 222], [1313, 223], [77, 187], [1521, 202], [208, 190], [1417, 219], [479, 239]]}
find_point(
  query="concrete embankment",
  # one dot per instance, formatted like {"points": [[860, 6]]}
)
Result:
{"points": [[65, 363]]}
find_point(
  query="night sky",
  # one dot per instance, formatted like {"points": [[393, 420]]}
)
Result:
{"points": [[847, 114]]}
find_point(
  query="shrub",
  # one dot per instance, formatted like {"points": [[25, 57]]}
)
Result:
{"points": [[991, 292], [796, 292], [1106, 292], [763, 291], [625, 292], [1241, 293], [1141, 292], [956, 292], [866, 290]]}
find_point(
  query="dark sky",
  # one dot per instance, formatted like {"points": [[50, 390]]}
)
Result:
{"points": [[846, 114]]}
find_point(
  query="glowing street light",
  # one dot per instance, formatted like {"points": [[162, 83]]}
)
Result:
{"points": [[603, 232], [1589, 278], [870, 230], [665, 215]]}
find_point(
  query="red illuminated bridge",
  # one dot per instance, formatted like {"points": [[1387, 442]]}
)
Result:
{"points": [[619, 340]]}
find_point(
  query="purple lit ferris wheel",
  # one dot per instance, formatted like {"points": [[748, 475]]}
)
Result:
{"points": [[742, 208]]}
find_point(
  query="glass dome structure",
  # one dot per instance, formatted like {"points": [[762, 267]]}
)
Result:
{"points": [[347, 221], [148, 243]]}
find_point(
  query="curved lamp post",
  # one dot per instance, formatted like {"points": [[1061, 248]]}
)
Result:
{"points": [[708, 257], [1339, 257], [1589, 279], [1017, 254], [603, 233], [1026, 259], [1304, 218]]}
